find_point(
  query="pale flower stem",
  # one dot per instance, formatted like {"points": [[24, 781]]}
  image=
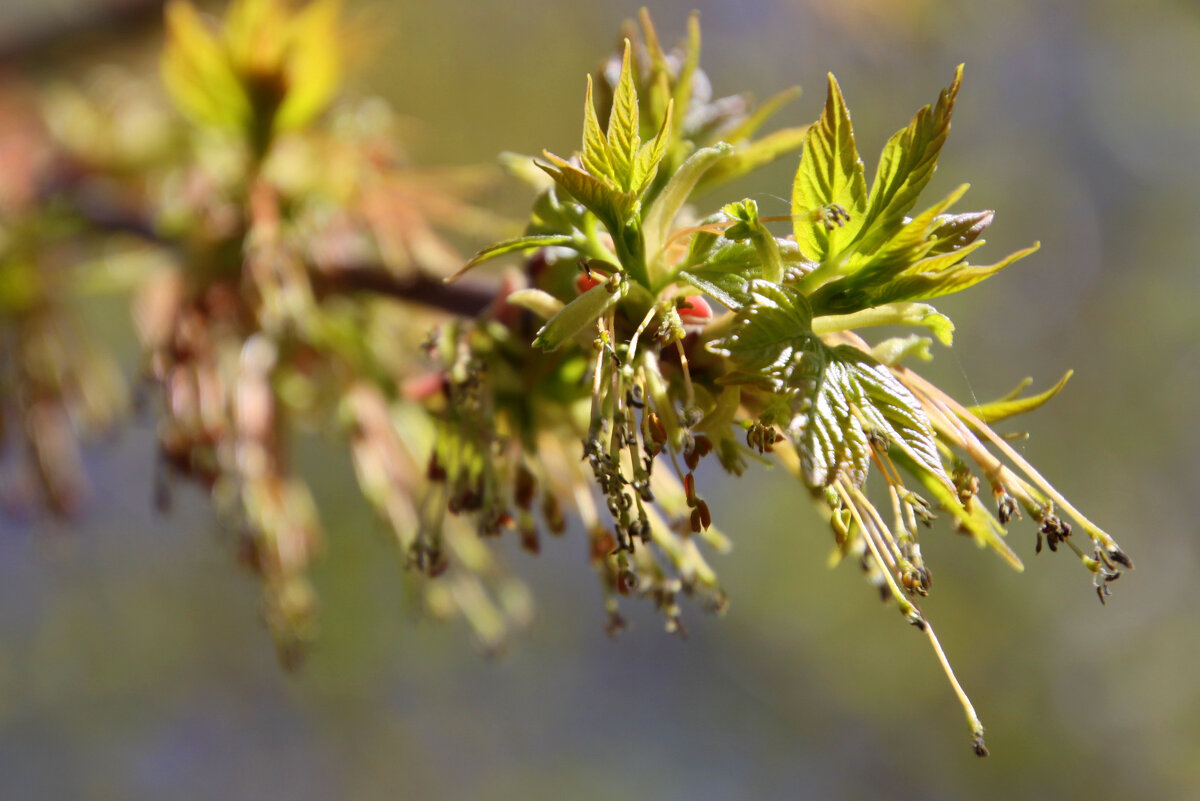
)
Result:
{"points": [[906, 606], [631, 351], [1094, 531], [882, 532], [972, 718], [915, 616], [687, 375]]}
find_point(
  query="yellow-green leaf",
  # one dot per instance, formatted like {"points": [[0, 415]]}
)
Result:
{"points": [[623, 137], [314, 63], [576, 316], [649, 155], [594, 155], [520, 243], [905, 167], [1012, 406], [830, 173], [198, 74]]}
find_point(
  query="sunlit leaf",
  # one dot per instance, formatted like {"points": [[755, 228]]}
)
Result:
{"points": [[520, 243], [771, 335], [830, 172], [850, 400], [648, 157], [609, 204], [594, 154], [198, 73], [576, 316], [729, 289], [623, 137], [1012, 406], [923, 286], [905, 167], [314, 63]]}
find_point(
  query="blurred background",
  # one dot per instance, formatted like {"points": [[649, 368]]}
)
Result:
{"points": [[133, 663]]}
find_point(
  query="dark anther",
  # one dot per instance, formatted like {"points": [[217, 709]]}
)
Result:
{"points": [[1056, 530], [1006, 507], [1118, 556], [435, 471], [627, 581], [526, 485]]}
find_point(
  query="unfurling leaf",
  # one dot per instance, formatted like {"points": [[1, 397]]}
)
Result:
{"points": [[520, 243], [772, 335], [905, 167], [850, 402], [1012, 405], [830, 173], [577, 315]]}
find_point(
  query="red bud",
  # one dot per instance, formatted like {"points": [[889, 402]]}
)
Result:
{"points": [[695, 310]]}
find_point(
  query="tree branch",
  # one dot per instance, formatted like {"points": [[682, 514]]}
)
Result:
{"points": [[461, 298], [109, 19]]}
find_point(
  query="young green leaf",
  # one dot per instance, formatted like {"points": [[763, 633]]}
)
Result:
{"points": [[611, 205], [852, 399], [670, 200], [623, 137], [520, 243], [1010, 407], [830, 173], [914, 285], [729, 289], [595, 153], [905, 167], [921, 314], [772, 335], [650, 155], [576, 316]]}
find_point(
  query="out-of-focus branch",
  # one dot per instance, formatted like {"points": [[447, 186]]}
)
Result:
{"points": [[108, 19], [462, 298]]}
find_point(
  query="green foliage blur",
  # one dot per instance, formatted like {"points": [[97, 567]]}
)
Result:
{"points": [[132, 664]]}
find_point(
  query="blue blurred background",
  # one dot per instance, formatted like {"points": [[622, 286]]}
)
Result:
{"points": [[133, 664]]}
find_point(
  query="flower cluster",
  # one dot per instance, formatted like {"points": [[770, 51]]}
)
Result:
{"points": [[288, 275], [625, 275]]}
